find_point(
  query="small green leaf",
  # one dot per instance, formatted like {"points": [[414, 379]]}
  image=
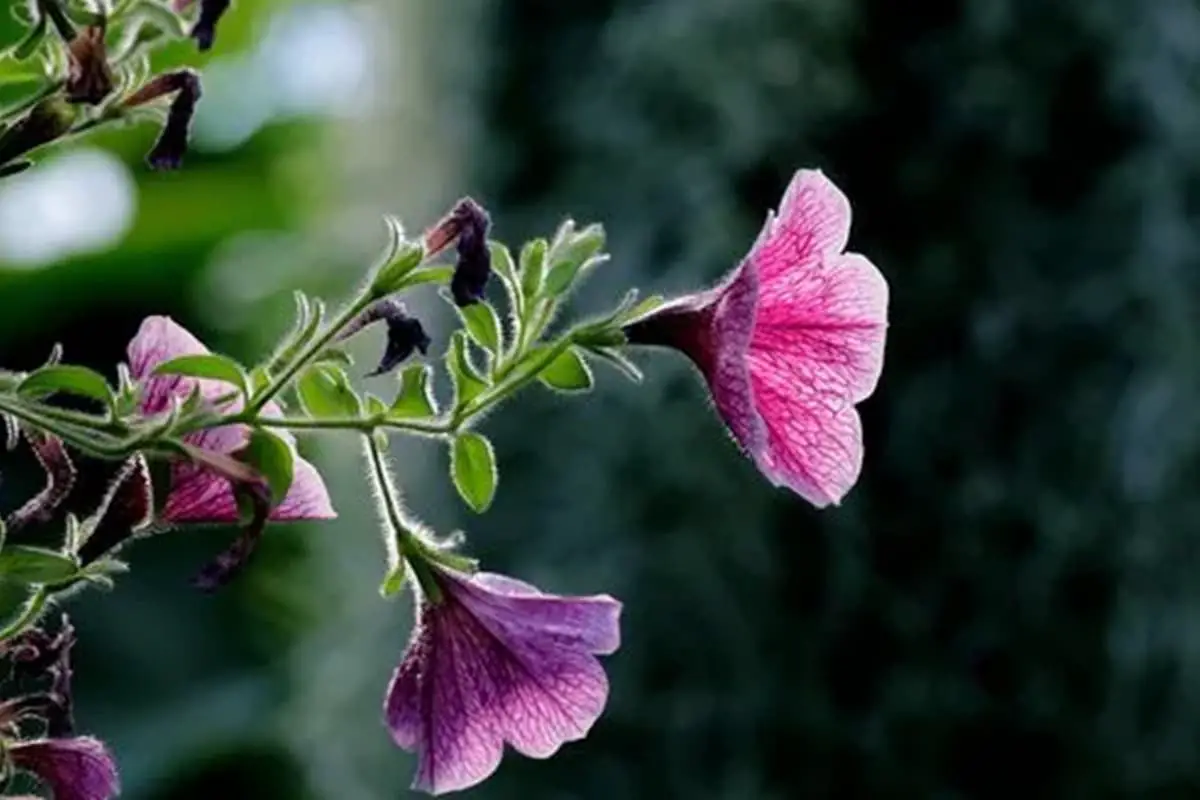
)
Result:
{"points": [[640, 310], [335, 355], [506, 270], [325, 392], [398, 260], [569, 259], [533, 267], [273, 458], [68, 379], [473, 468], [567, 373], [483, 325], [209, 366], [395, 580], [415, 398], [25, 564], [15, 167], [467, 381], [419, 277], [619, 361], [375, 406]]}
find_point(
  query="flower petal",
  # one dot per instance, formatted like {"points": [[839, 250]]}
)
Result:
{"points": [[73, 769], [199, 496], [158, 340], [813, 221], [497, 660], [307, 498], [729, 375], [813, 356], [512, 609]]}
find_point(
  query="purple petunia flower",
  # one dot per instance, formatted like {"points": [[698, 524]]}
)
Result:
{"points": [[78, 768], [790, 342], [197, 494], [494, 660]]}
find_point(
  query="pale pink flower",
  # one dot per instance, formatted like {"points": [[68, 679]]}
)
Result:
{"points": [[77, 768], [197, 494], [790, 342], [494, 660]]}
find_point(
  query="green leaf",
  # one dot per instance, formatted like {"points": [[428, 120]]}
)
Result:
{"points": [[209, 366], [68, 379], [325, 392], [640, 310], [467, 381], [567, 373], [415, 398], [273, 458], [395, 580], [375, 406], [483, 325], [533, 267], [619, 361], [335, 355], [15, 167], [399, 259], [506, 270], [423, 276], [25, 565], [473, 468], [571, 258]]}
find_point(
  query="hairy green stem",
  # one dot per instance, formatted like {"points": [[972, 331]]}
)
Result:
{"points": [[81, 436], [314, 349]]}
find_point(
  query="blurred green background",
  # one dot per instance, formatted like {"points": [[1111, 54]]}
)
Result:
{"points": [[1006, 606]]}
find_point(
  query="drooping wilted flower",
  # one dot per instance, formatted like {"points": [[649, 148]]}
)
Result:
{"points": [[46, 122], [789, 343], [467, 225], [494, 660], [126, 510], [405, 334], [172, 143], [200, 490], [89, 76], [76, 768], [52, 455]]}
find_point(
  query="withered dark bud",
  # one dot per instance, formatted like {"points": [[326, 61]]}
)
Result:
{"points": [[467, 224], [60, 716], [172, 144], [404, 333], [124, 512], [60, 479], [222, 569], [46, 122], [89, 77], [29, 706], [205, 29]]}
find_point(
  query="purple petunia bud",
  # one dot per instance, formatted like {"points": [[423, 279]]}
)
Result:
{"points": [[78, 768], [205, 29], [172, 144], [60, 479], [222, 569], [404, 333], [89, 77], [467, 224]]}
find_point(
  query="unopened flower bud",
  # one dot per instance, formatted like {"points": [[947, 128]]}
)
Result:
{"points": [[172, 144], [205, 29], [467, 224], [89, 77], [405, 334]]}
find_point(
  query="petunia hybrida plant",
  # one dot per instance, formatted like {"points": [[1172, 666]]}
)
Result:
{"points": [[788, 344]]}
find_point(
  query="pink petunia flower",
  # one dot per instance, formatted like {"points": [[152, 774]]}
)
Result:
{"points": [[77, 768], [197, 494], [494, 660], [789, 342]]}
